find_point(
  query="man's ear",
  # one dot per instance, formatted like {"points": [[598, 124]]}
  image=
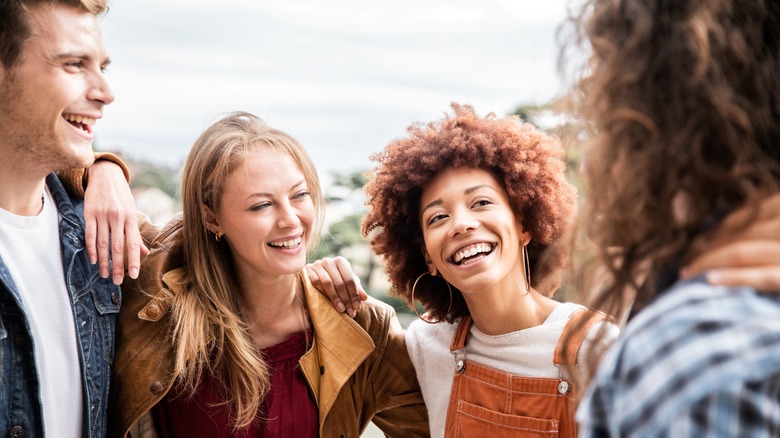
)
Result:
{"points": [[431, 267], [210, 219]]}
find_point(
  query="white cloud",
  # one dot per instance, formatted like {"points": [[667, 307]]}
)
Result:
{"points": [[344, 76]]}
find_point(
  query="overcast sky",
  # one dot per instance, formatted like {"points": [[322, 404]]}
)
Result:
{"points": [[343, 76]]}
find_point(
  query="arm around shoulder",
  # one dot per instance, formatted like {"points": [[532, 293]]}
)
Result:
{"points": [[76, 180]]}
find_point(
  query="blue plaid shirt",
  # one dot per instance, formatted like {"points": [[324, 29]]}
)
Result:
{"points": [[700, 361]]}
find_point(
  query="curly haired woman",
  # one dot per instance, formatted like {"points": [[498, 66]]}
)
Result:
{"points": [[683, 96], [462, 210]]}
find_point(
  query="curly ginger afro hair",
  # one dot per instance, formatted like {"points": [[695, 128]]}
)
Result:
{"points": [[527, 162]]}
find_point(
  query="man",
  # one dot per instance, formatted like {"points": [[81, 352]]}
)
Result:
{"points": [[57, 314]]}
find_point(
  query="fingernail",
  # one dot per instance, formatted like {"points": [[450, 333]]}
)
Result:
{"points": [[104, 273], [118, 279], [134, 273], [340, 307], [351, 312], [92, 260]]}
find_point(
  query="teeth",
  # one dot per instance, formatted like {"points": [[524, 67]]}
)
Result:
{"points": [[288, 244], [79, 119], [471, 251]]}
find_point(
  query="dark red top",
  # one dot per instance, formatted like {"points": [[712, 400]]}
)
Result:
{"points": [[289, 407]]}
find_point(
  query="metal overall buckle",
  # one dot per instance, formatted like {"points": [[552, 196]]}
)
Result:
{"points": [[563, 385], [460, 360]]}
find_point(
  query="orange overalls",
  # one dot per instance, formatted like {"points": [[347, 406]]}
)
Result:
{"points": [[490, 403]]}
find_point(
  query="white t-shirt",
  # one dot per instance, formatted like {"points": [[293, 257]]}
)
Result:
{"points": [[30, 248], [527, 352]]}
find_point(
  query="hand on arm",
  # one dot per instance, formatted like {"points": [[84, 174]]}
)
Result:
{"points": [[750, 257], [110, 216], [334, 278]]}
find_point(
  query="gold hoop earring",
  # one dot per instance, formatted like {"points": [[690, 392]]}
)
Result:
{"points": [[414, 305], [527, 269], [218, 236]]}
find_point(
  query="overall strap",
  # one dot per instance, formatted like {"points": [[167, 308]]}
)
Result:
{"points": [[573, 334], [461, 333]]}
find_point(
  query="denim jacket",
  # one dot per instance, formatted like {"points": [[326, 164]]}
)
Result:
{"points": [[95, 304]]}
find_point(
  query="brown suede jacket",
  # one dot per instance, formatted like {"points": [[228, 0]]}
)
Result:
{"points": [[358, 369]]}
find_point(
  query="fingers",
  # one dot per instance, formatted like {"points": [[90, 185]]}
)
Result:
{"points": [[740, 254], [103, 246], [362, 294], [334, 278], [765, 279], [347, 283], [90, 236], [113, 240], [747, 262], [134, 245], [112, 235], [117, 248], [744, 254], [320, 278]]}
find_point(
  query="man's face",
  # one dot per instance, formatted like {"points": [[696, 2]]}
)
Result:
{"points": [[55, 92]]}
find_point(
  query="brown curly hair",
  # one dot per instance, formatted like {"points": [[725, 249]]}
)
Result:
{"points": [[684, 101], [527, 162]]}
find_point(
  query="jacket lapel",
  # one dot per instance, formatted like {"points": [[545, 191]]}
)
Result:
{"points": [[340, 346]]}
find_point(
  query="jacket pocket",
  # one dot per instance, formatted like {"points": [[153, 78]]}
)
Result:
{"points": [[472, 420], [107, 298]]}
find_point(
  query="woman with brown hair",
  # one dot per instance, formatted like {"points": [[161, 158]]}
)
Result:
{"points": [[683, 99], [462, 210], [223, 334]]}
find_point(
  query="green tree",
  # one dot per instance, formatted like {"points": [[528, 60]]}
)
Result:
{"points": [[343, 238], [146, 174], [555, 118], [345, 233]]}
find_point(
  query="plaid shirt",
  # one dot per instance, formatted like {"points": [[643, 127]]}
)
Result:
{"points": [[700, 361]]}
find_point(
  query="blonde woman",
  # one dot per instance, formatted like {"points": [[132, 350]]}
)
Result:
{"points": [[223, 334]]}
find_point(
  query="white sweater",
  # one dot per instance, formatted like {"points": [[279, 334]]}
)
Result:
{"points": [[30, 248], [526, 352]]}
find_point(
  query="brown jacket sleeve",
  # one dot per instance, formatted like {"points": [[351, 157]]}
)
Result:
{"points": [[75, 180], [400, 409]]}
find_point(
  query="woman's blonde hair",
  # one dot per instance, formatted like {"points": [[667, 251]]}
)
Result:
{"points": [[208, 327]]}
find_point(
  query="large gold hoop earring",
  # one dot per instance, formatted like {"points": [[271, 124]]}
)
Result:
{"points": [[414, 305], [527, 269]]}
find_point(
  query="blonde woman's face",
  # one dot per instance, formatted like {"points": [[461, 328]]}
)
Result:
{"points": [[266, 215]]}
